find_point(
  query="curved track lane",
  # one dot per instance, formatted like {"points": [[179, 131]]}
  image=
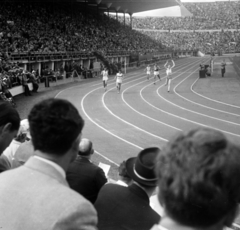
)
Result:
{"points": [[144, 115]]}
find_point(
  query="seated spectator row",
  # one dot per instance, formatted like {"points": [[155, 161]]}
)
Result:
{"points": [[57, 28], [207, 42], [206, 15]]}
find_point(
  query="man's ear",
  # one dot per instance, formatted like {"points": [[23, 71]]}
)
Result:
{"points": [[7, 128]]}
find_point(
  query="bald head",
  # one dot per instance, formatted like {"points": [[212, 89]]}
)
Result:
{"points": [[85, 147]]}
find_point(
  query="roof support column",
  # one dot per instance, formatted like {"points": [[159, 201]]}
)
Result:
{"points": [[130, 14], [97, 11], [124, 18], [116, 15]]}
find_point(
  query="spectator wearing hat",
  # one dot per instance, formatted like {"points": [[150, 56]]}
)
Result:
{"points": [[83, 176], [21, 137], [39, 186], [198, 179], [129, 207], [9, 126]]}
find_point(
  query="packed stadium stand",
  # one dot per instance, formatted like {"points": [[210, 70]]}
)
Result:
{"points": [[60, 28], [57, 28], [38, 29], [213, 27]]}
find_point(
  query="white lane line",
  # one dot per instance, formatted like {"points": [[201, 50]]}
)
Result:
{"points": [[106, 130], [144, 115], [218, 110], [130, 124], [210, 99], [82, 102], [185, 119], [87, 84], [106, 158], [189, 110]]}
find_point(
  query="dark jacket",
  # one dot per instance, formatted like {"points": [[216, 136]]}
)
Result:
{"points": [[86, 178], [127, 207]]}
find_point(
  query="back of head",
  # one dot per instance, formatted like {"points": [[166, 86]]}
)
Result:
{"points": [[9, 115], [85, 147], [9, 125], [199, 177], [54, 125]]}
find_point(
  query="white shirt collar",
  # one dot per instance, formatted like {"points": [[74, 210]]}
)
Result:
{"points": [[56, 166]]}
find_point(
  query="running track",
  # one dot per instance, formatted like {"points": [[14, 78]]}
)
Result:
{"points": [[145, 115]]}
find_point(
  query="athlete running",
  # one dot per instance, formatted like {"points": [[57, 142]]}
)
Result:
{"points": [[156, 73], [169, 73], [105, 78], [148, 69], [119, 78]]}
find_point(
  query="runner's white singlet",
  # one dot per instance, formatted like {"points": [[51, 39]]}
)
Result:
{"points": [[119, 77], [105, 75], [148, 70]]}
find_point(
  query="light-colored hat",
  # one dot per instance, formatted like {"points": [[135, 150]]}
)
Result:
{"points": [[24, 128]]}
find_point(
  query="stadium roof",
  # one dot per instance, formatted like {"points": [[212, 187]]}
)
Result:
{"points": [[121, 6], [130, 6]]}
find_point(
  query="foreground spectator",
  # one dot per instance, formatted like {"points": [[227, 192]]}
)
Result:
{"points": [[42, 190], [16, 142], [9, 125], [128, 207], [83, 176], [199, 185]]}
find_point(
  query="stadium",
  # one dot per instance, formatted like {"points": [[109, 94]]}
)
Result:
{"points": [[59, 48]]}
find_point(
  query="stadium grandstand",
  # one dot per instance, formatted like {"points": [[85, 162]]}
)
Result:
{"points": [[60, 36], [63, 47]]}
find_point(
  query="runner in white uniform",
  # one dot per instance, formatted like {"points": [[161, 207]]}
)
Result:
{"points": [[105, 78], [148, 69], [156, 74], [169, 74], [119, 78]]}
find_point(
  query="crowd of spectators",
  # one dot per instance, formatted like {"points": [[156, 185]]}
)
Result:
{"points": [[218, 22], [207, 42], [58, 186], [60, 28], [206, 16]]}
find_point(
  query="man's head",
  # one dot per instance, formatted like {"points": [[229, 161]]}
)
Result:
{"points": [[55, 127], [198, 177], [9, 125], [142, 168], [85, 148]]}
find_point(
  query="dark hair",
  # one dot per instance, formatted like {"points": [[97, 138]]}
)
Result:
{"points": [[122, 170], [54, 126], [199, 177], [9, 115]]}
